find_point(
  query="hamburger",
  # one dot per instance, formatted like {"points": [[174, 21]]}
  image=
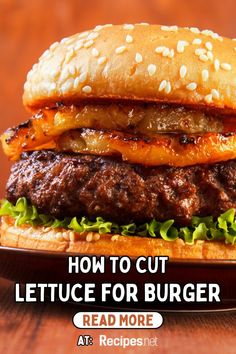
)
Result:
{"points": [[130, 148]]}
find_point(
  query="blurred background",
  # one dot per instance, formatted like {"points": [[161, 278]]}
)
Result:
{"points": [[28, 27]]}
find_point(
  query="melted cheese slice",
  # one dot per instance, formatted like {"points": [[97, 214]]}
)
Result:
{"points": [[172, 149], [194, 137]]}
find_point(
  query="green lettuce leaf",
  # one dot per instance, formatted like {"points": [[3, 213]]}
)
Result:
{"points": [[201, 228]]}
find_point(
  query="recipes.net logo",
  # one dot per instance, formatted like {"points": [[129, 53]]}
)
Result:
{"points": [[124, 342]]}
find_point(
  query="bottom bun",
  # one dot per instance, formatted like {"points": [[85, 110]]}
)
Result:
{"points": [[62, 240]]}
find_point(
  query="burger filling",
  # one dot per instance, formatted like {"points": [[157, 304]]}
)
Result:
{"points": [[143, 169], [152, 150], [139, 120]]}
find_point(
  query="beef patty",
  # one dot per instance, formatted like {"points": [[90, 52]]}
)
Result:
{"points": [[63, 184]]}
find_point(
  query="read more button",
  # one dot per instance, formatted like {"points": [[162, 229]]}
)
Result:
{"points": [[117, 320]]}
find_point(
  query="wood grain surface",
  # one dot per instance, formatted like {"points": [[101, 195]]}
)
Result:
{"points": [[47, 328], [27, 28]]}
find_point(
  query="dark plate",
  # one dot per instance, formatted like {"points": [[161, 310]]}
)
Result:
{"points": [[26, 266]]}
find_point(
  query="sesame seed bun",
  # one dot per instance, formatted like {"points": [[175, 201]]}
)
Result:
{"points": [[136, 62], [46, 238]]}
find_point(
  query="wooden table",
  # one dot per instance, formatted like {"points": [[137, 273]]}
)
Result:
{"points": [[47, 328]]}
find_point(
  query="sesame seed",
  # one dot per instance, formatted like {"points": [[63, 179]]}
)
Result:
{"points": [[215, 94], [207, 33], [69, 55], [82, 77], [194, 30], [203, 57], [59, 236], [115, 238], [168, 87], [235, 49], [83, 34], [171, 53], [181, 46], [76, 82], [44, 55], [151, 69], [210, 55], [169, 28], [95, 52], [234, 39], [165, 28], [166, 52], [65, 235], [54, 72], [129, 38], [98, 28], [79, 45], [67, 86], [226, 66], [162, 85], [183, 71], [101, 60], [92, 35], [54, 45], [216, 64], [26, 85], [70, 40], [86, 89], [128, 27], [72, 236], [106, 71], [64, 74], [96, 237], [64, 40], [88, 44], [138, 58], [30, 74], [209, 45], [143, 23], [197, 41], [160, 49], [216, 36], [200, 51], [72, 70], [205, 75], [192, 86], [108, 25], [52, 86], [89, 237], [208, 98], [174, 28], [120, 49], [46, 229]]}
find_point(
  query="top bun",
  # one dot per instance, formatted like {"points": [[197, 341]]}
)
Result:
{"points": [[136, 62]]}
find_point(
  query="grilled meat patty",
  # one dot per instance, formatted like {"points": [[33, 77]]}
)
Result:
{"points": [[63, 184]]}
